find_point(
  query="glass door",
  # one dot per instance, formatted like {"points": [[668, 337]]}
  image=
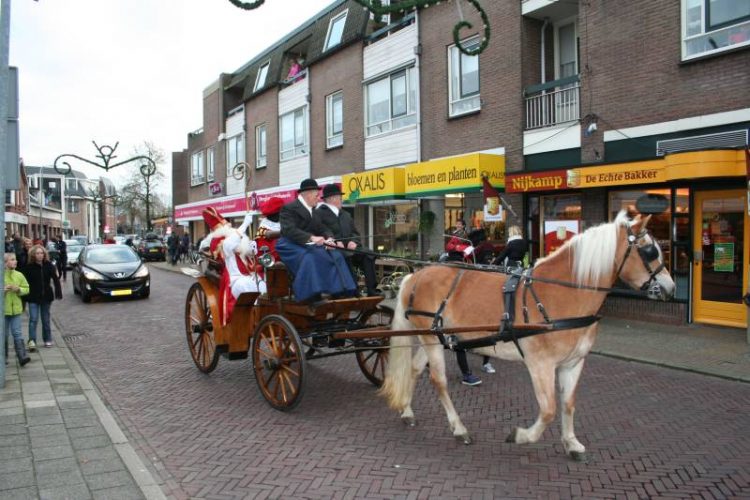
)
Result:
{"points": [[720, 240]]}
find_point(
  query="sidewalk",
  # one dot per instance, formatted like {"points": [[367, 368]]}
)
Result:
{"points": [[57, 438], [711, 350]]}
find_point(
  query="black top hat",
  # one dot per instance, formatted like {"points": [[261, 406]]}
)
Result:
{"points": [[331, 190], [308, 185]]}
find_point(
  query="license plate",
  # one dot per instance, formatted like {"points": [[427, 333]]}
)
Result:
{"points": [[115, 293], [154, 250]]}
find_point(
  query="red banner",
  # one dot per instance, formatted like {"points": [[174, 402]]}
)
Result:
{"points": [[536, 181]]}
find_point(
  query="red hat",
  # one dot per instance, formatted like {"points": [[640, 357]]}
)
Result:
{"points": [[271, 206], [213, 218]]}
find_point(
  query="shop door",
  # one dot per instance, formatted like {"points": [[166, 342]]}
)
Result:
{"points": [[720, 240]]}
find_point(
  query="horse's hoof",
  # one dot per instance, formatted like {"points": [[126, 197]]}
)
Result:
{"points": [[579, 456], [511, 437], [464, 438], [410, 421]]}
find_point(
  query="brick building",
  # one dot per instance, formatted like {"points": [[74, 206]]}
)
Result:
{"points": [[588, 107]]}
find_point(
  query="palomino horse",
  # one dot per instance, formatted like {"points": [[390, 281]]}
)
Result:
{"points": [[572, 282]]}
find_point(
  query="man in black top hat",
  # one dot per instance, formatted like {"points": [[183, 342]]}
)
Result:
{"points": [[341, 224], [307, 248]]}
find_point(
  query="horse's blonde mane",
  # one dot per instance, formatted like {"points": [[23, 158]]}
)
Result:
{"points": [[593, 251]]}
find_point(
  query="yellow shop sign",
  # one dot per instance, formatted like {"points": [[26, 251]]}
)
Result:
{"points": [[455, 174], [373, 185], [641, 172]]}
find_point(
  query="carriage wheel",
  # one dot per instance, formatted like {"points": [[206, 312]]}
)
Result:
{"points": [[279, 362], [199, 327], [373, 362]]}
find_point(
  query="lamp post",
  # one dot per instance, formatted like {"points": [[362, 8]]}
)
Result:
{"points": [[379, 9], [147, 170]]}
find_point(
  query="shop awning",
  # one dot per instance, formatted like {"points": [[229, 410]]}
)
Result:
{"points": [[676, 166], [453, 175], [373, 185]]}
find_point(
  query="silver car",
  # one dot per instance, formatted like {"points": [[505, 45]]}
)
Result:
{"points": [[74, 248]]}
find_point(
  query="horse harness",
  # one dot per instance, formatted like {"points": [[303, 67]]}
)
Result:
{"points": [[523, 277]]}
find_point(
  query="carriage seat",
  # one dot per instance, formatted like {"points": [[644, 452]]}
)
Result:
{"points": [[212, 268]]}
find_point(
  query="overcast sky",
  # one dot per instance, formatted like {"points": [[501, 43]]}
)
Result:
{"points": [[130, 70]]}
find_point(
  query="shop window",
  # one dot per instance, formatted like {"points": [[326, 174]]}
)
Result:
{"points": [[561, 220], [395, 229], [663, 225], [463, 79], [714, 26]]}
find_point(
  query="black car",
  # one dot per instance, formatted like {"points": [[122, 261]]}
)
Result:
{"points": [[152, 249], [110, 271]]}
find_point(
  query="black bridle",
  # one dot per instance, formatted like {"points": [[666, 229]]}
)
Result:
{"points": [[648, 253]]}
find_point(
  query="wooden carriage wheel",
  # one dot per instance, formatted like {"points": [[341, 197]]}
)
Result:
{"points": [[373, 362], [279, 362], [199, 328]]}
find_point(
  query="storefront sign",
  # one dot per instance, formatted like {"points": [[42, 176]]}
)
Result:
{"points": [[724, 257], [557, 232], [222, 206], [382, 184], [643, 172], [456, 174], [536, 181], [216, 188], [256, 200]]}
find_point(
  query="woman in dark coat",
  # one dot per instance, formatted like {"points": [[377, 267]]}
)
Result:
{"points": [[41, 275], [514, 251]]}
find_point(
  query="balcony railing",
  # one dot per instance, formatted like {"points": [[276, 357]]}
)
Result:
{"points": [[552, 103]]}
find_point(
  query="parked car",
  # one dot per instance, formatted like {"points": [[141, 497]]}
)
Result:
{"points": [[120, 240], [52, 252], [152, 249], [110, 271], [81, 238], [73, 247]]}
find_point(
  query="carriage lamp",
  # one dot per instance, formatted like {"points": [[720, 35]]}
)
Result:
{"points": [[379, 9]]}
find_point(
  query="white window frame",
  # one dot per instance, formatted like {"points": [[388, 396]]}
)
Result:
{"points": [[334, 20], [73, 206], [299, 147], [238, 142], [261, 146], [210, 163], [393, 122], [706, 36], [197, 172], [334, 138], [263, 70], [458, 102]]}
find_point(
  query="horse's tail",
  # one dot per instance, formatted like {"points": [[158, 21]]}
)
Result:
{"points": [[398, 385]]}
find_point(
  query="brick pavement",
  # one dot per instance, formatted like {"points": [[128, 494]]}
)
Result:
{"points": [[650, 431]]}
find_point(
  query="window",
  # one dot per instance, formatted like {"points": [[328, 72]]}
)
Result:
{"points": [[391, 102], [260, 78], [210, 164], [335, 30], [196, 167], [73, 206], [293, 140], [260, 146], [335, 120], [463, 80], [713, 26], [235, 152], [71, 184]]}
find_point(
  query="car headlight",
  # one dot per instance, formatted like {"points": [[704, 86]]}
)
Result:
{"points": [[141, 273], [90, 274]]}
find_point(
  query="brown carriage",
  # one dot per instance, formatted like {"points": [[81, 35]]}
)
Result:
{"points": [[281, 334]]}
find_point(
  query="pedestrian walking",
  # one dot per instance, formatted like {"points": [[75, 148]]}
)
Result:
{"points": [[184, 247], [42, 276], [62, 261], [16, 286], [173, 246]]}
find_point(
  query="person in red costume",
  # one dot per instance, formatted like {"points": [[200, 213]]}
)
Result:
{"points": [[459, 246], [269, 230], [236, 251]]}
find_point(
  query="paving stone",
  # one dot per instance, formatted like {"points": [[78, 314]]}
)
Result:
{"points": [[50, 452], [49, 480], [41, 404], [38, 441], [29, 493], [80, 432], [12, 419], [106, 453], [43, 410], [12, 429], [15, 451], [36, 420], [36, 387], [18, 479], [98, 466], [14, 440], [67, 492], [109, 480], [120, 493], [56, 465], [69, 414], [71, 399], [12, 403], [81, 422], [16, 410], [15, 464], [45, 430], [83, 443], [42, 396]]}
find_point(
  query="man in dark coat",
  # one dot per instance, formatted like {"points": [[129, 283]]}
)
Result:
{"points": [[341, 224], [306, 248]]}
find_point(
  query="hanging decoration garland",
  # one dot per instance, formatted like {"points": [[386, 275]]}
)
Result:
{"points": [[379, 10]]}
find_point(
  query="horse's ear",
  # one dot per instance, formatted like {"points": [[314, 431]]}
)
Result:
{"points": [[639, 223]]}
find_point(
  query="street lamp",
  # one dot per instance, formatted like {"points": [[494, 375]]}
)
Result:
{"points": [[147, 170], [379, 9]]}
